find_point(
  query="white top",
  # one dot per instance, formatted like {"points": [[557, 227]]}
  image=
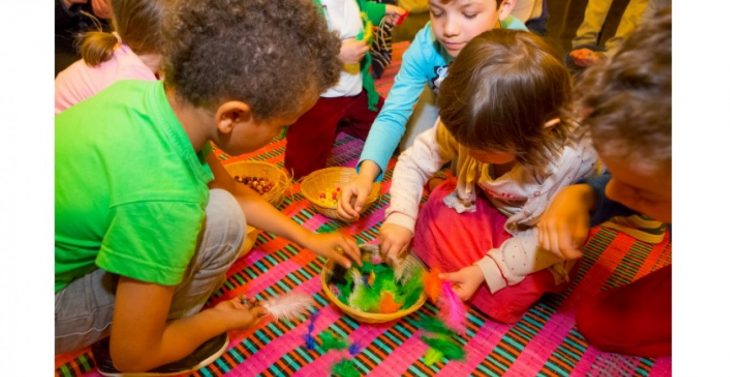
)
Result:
{"points": [[343, 17], [522, 194]]}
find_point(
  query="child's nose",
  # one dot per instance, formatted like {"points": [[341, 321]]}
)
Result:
{"points": [[451, 26]]}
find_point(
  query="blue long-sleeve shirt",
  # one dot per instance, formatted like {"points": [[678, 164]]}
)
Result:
{"points": [[424, 62]]}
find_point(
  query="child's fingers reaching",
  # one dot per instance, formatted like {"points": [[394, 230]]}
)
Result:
{"points": [[352, 250], [345, 208]]}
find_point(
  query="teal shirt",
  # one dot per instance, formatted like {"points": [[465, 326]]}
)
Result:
{"points": [[131, 191], [424, 62]]}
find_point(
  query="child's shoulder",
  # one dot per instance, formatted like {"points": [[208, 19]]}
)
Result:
{"points": [[425, 45]]}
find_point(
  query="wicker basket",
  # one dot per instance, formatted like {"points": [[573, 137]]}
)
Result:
{"points": [[327, 180], [273, 173], [251, 235], [362, 316]]}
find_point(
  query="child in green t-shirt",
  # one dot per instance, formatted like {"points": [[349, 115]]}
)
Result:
{"points": [[147, 219]]}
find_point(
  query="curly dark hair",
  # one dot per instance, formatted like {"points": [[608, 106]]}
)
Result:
{"points": [[628, 98], [268, 54], [502, 89]]}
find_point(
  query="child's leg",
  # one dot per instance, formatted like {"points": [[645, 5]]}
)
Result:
{"points": [[635, 319], [358, 118], [451, 241], [309, 140], [223, 235], [84, 309]]}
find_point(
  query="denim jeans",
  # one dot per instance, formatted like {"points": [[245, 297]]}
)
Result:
{"points": [[84, 309]]}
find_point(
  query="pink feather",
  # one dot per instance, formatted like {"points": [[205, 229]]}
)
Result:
{"points": [[288, 306], [451, 309]]}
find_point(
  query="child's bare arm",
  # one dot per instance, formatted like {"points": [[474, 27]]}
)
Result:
{"points": [[564, 226], [261, 214], [142, 338]]}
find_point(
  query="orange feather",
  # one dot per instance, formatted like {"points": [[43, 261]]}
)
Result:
{"points": [[432, 284], [388, 304]]}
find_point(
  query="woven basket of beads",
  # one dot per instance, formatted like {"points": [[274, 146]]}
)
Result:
{"points": [[323, 188], [409, 269], [269, 180]]}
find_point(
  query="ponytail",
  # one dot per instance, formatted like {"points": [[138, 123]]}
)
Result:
{"points": [[97, 47]]}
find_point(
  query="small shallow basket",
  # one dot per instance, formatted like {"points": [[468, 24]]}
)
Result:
{"points": [[273, 173], [248, 242], [366, 251], [327, 180]]}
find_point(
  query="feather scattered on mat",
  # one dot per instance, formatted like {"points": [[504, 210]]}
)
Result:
{"points": [[288, 306], [451, 309]]}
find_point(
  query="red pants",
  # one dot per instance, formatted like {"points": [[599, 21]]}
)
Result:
{"points": [[309, 140], [451, 241], [635, 319]]}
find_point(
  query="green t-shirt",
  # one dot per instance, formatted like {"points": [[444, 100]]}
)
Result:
{"points": [[131, 191]]}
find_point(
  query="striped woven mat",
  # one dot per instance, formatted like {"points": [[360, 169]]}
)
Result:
{"points": [[545, 342]]}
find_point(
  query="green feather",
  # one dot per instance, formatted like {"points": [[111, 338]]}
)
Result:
{"points": [[345, 368], [365, 299], [331, 341], [448, 347], [434, 325], [411, 291], [432, 356]]}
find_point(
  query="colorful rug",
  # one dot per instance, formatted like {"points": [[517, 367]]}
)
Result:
{"points": [[543, 343]]}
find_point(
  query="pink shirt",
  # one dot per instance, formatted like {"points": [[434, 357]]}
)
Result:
{"points": [[80, 81]]}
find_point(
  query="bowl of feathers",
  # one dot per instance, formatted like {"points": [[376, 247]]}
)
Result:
{"points": [[375, 292]]}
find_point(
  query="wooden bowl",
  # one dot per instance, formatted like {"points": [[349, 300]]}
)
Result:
{"points": [[359, 315], [325, 182], [251, 235]]}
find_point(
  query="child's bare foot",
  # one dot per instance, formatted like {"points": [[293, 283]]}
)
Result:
{"points": [[584, 57]]}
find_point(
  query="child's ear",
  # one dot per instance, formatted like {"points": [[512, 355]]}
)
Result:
{"points": [[232, 114], [506, 8]]}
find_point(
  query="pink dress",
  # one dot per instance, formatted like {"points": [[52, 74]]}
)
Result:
{"points": [[80, 81]]}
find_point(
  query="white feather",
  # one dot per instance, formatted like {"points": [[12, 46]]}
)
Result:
{"points": [[288, 306]]}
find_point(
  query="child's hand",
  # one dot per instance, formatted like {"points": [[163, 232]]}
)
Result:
{"points": [[353, 198], [239, 315], [393, 12], [336, 246], [465, 281], [563, 227], [353, 50], [394, 240]]}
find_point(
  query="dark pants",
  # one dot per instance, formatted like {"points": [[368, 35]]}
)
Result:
{"points": [[310, 139]]}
